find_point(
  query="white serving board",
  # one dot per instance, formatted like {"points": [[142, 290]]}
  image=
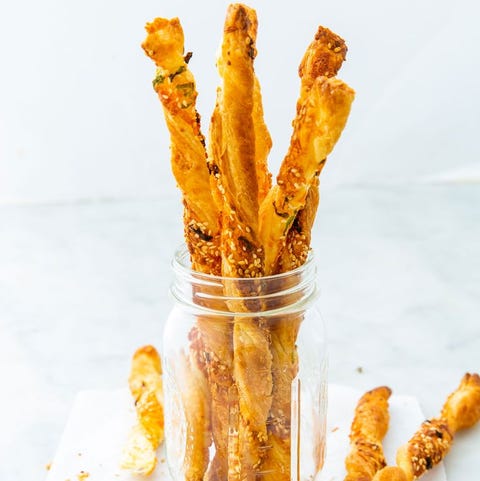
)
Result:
{"points": [[99, 423]]}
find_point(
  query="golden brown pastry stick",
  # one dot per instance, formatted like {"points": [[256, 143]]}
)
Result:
{"points": [[241, 250], [217, 336], [298, 238], [175, 86], [430, 444], [145, 383], [146, 387], [217, 148], [369, 426], [223, 159], [433, 440], [196, 406], [321, 118], [324, 56], [263, 144], [237, 165]]}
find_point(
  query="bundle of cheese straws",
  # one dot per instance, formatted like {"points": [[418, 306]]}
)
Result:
{"points": [[238, 224]]}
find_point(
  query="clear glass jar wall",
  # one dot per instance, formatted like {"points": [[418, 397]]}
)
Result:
{"points": [[244, 376]]}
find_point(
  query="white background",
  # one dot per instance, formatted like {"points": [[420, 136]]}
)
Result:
{"points": [[79, 119]]}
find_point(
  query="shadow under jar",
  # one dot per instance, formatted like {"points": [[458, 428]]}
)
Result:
{"points": [[244, 376]]}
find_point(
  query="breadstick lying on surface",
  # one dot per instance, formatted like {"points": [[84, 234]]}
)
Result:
{"points": [[369, 426], [462, 408], [430, 444], [145, 383]]}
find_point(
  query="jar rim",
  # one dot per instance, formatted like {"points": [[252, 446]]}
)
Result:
{"points": [[280, 293], [181, 261]]}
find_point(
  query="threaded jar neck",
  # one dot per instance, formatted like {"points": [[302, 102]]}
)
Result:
{"points": [[289, 292]]}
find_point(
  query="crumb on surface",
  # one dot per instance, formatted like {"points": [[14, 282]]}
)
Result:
{"points": [[48, 466], [336, 428], [82, 475], [359, 369]]}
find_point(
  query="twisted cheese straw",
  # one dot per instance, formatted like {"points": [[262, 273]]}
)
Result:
{"points": [[240, 153], [146, 387], [175, 86], [430, 444], [323, 58], [288, 234], [220, 334], [321, 117], [369, 426]]}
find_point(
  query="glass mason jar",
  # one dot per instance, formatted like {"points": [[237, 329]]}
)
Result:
{"points": [[244, 376]]}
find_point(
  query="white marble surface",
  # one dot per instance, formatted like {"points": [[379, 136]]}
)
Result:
{"points": [[83, 284]]}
